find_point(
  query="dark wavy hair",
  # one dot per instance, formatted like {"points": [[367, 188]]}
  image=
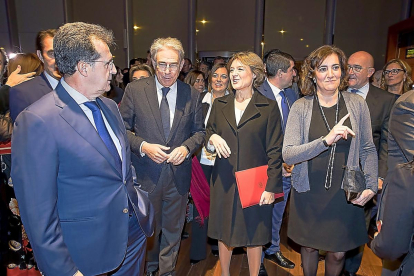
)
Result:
{"points": [[74, 42], [314, 60]]}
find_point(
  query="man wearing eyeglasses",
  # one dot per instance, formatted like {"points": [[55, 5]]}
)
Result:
{"points": [[24, 94], [380, 102], [164, 121], [72, 170]]}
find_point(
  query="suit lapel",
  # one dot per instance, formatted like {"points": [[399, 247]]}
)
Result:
{"points": [[76, 118], [114, 124], [228, 110], [46, 81], [267, 91], [372, 102], [251, 110], [151, 93], [183, 92]]}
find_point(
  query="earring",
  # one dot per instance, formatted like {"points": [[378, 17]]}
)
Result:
{"points": [[314, 80]]}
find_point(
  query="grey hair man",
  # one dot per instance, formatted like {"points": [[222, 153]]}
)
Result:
{"points": [[164, 121]]}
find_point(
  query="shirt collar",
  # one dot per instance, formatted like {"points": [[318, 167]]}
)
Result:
{"points": [[274, 88], [77, 96], [208, 97], [52, 81], [363, 90]]}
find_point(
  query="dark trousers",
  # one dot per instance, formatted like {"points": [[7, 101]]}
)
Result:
{"points": [[134, 261], [169, 208], [198, 248]]}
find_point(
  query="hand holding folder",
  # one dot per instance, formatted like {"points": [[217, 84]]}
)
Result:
{"points": [[251, 184]]}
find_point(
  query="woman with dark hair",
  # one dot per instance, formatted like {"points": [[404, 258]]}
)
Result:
{"points": [[328, 130], [244, 129], [195, 78], [219, 84], [140, 71], [396, 77], [117, 87]]}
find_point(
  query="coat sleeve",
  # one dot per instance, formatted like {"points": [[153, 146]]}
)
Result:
{"points": [[128, 115], [274, 140], [4, 99], [35, 170], [294, 151]]}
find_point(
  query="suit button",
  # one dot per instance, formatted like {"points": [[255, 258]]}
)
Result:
{"points": [[125, 182], [125, 210]]}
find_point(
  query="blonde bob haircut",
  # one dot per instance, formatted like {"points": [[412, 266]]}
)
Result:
{"points": [[169, 42], [314, 60], [254, 62]]}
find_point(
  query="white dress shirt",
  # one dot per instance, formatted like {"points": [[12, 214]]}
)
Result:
{"points": [[171, 98], [278, 97], [363, 91], [80, 99], [52, 81]]}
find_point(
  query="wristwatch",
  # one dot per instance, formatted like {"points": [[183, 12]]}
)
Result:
{"points": [[324, 142]]}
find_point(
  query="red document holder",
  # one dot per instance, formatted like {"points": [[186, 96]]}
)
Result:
{"points": [[251, 184]]}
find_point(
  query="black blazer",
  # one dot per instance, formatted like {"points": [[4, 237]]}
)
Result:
{"points": [[4, 99], [397, 205], [380, 103], [141, 113], [26, 93]]}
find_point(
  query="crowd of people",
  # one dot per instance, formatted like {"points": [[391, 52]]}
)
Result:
{"points": [[98, 164]]}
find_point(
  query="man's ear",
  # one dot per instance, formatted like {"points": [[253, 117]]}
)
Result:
{"points": [[39, 55], [371, 71], [83, 68]]}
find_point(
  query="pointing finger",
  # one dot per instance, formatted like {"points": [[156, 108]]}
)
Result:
{"points": [[343, 119]]}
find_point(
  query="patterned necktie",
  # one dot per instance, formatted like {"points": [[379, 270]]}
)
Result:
{"points": [[165, 112], [103, 132], [354, 90], [285, 109]]}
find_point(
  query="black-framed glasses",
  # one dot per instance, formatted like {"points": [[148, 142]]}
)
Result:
{"points": [[356, 68], [107, 64], [392, 71], [163, 66]]}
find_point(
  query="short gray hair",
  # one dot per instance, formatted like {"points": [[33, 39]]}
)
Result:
{"points": [[74, 42], [168, 42]]}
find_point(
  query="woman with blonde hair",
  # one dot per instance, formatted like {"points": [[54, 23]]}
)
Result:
{"points": [[396, 77], [244, 129]]}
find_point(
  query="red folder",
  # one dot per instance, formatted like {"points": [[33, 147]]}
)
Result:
{"points": [[251, 184]]}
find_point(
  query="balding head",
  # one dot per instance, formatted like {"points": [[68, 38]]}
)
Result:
{"points": [[364, 63]]}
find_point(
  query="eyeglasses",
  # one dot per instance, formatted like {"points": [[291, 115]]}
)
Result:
{"points": [[355, 68], [392, 71], [107, 64], [163, 66]]}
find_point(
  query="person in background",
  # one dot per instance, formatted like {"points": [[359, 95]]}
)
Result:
{"points": [[280, 73], [205, 67], [141, 71], [119, 82], [23, 95], [394, 240], [116, 92], [72, 171], [244, 129], [188, 65], [376, 78], [219, 59], [380, 102], [195, 78], [219, 85], [396, 77], [326, 131]]}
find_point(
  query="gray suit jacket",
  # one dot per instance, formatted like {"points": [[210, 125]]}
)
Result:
{"points": [[141, 113], [297, 149]]}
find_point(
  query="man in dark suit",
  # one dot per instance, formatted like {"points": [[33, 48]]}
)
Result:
{"points": [[164, 121], [72, 171], [23, 95], [280, 72], [380, 102], [396, 211]]}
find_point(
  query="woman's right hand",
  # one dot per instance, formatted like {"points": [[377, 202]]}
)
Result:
{"points": [[339, 131], [220, 145]]}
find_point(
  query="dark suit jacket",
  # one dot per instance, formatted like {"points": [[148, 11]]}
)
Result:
{"points": [[397, 206], [380, 103], [4, 99], [26, 93], [141, 113], [72, 197]]}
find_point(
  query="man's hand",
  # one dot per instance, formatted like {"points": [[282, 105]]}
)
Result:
{"points": [[267, 198], [220, 145], [155, 151], [380, 182], [365, 196], [15, 78], [287, 170], [178, 155]]}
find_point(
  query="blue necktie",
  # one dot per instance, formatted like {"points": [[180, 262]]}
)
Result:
{"points": [[285, 109], [103, 132], [165, 112], [354, 90]]}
